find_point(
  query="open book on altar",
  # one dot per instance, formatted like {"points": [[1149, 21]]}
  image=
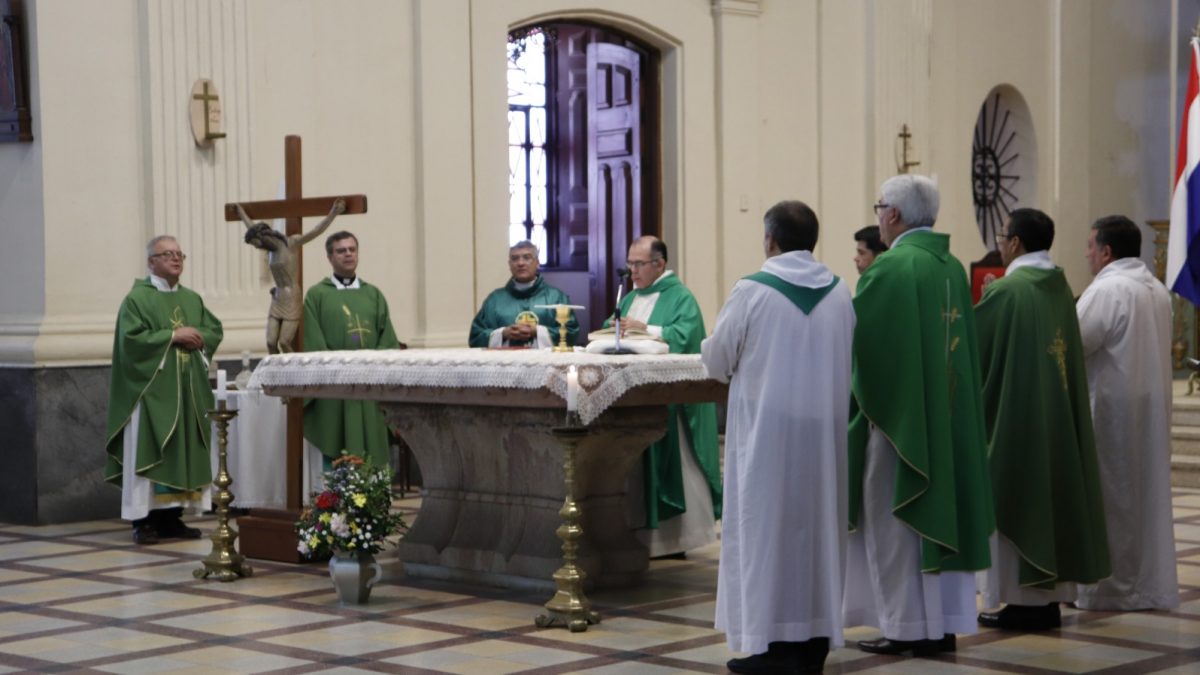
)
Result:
{"points": [[637, 341]]}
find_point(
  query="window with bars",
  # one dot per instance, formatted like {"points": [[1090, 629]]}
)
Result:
{"points": [[528, 142]]}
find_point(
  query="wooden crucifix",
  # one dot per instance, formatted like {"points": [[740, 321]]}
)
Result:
{"points": [[269, 533]]}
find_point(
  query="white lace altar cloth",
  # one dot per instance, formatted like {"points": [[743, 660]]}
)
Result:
{"points": [[602, 379]]}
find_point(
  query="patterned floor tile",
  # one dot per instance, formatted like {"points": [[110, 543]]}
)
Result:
{"points": [[83, 597], [50, 590], [232, 659], [133, 605], [246, 619], [21, 623], [360, 638], [99, 560], [35, 548]]}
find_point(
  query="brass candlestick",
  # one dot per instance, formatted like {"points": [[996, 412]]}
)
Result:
{"points": [[224, 562], [569, 607]]}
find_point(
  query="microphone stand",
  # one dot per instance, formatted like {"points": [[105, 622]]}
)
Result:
{"points": [[617, 348]]}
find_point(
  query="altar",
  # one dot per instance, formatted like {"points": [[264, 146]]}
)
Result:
{"points": [[479, 423]]}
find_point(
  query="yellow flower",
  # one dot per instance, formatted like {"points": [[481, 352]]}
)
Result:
{"points": [[313, 541], [360, 500], [325, 517], [354, 527]]}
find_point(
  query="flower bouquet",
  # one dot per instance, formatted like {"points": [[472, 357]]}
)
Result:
{"points": [[353, 514]]}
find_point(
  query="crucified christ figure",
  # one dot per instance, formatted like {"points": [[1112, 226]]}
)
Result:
{"points": [[287, 298]]}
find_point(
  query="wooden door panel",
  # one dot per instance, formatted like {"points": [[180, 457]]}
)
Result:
{"points": [[614, 163]]}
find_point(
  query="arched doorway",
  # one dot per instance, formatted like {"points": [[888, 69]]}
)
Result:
{"points": [[583, 153]]}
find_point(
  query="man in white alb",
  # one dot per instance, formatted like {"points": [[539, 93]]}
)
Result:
{"points": [[782, 341], [1125, 321]]}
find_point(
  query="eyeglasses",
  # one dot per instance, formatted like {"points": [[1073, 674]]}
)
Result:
{"points": [[171, 255], [1001, 235], [881, 206], [639, 264]]}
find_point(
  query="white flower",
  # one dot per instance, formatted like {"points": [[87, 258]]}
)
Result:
{"points": [[339, 526]]}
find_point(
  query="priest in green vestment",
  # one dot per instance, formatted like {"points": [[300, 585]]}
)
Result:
{"points": [[157, 436], [1045, 475], [343, 312], [681, 472], [920, 501], [510, 316]]}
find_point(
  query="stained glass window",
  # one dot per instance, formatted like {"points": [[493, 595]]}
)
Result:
{"points": [[528, 187]]}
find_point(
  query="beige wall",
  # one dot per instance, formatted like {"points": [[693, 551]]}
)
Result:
{"points": [[404, 101]]}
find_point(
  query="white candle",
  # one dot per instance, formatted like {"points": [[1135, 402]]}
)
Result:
{"points": [[221, 386], [572, 389]]}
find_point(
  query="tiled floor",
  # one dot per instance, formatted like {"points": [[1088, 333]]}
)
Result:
{"points": [[82, 598]]}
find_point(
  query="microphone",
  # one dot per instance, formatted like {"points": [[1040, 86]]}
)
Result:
{"points": [[623, 274]]}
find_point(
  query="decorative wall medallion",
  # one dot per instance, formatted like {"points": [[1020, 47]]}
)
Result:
{"points": [[205, 113], [1003, 161]]}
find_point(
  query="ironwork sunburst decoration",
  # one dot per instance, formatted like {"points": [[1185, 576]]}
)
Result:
{"points": [[993, 176]]}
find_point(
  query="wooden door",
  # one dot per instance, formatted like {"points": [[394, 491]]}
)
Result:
{"points": [[615, 214]]}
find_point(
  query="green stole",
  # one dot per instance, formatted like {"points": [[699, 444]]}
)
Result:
{"points": [[170, 383], [1042, 451], [334, 319], [916, 377], [803, 297], [678, 313]]}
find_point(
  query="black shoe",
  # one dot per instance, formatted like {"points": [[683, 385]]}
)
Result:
{"points": [[145, 535], [948, 643], [177, 530], [1023, 618], [812, 654], [898, 647], [772, 662]]}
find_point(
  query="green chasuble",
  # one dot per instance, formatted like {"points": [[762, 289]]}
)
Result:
{"points": [[1045, 475], [352, 318], [679, 315], [171, 384], [504, 305], [916, 377]]}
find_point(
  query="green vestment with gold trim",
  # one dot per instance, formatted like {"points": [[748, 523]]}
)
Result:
{"points": [[169, 382], [678, 313], [916, 377], [1045, 475], [342, 319], [504, 305]]}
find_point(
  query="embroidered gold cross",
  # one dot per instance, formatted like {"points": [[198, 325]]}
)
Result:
{"points": [[950, 316], [176, 319], [1058, 349], [354, 326]]}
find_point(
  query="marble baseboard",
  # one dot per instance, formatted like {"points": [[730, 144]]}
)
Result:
{"points": [[52, 434]]}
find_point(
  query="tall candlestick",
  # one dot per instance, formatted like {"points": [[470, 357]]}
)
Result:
{"points": [[572, 389], [221, 385]]}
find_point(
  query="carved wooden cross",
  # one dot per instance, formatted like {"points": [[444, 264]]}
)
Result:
{"points": [[294, 208]]}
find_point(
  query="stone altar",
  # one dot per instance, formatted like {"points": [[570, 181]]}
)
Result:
{"points": [[479, 423]]}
